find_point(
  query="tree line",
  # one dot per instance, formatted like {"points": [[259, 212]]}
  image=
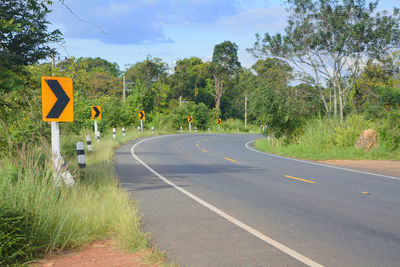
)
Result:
{"points": [[334, 58]]}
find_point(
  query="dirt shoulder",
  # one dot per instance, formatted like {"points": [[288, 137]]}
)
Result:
{"points": [[385, 167], [100, 254]]}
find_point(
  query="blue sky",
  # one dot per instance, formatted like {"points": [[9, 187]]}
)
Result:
{"points": [[126, 31]]}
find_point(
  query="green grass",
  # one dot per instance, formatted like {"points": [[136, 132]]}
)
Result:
{"points": [[323, 140], [69, 218]]}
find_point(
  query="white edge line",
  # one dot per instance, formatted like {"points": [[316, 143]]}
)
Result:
{"points": [[321, 164], [226, 216]]}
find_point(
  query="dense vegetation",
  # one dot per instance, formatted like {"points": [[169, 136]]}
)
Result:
{"points": [[334, 73]]}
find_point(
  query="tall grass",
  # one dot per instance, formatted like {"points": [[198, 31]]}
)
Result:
{"points": [[324, 139], [60, 217]]}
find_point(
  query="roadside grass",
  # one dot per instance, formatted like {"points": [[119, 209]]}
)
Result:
{"points": [[57, 218], [323, 140], [302, 151]]}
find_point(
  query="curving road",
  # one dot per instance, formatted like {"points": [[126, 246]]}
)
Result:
{"points": [[211, 200]]}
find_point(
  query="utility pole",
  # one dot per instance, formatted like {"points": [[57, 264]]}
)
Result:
{"points": [[245, 110], [180, 101], [123, 89]]}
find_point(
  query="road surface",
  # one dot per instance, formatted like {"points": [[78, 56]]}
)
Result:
{"points": [[211, 200]]}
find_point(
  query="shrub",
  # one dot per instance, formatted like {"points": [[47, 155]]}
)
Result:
{"points": [[15, 231], [389, 130], [346, 134], [202, 116]]}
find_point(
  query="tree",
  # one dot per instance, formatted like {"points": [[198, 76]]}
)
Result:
{"points": [[144, 75], [24, 37], [329, 41], [225, 63], [190, 78]]}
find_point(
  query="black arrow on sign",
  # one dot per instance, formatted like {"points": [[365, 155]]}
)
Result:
{"points": [[97, 112], [141, 115], [62, 99]]}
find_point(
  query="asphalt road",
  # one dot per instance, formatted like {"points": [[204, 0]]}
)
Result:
{"points": [[209, 200]]}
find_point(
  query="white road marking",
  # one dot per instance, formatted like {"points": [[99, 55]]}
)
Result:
{"points": [[226, 216], [321, 164]]}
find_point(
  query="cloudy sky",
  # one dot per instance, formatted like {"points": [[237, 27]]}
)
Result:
{"points": [[126, 31]]}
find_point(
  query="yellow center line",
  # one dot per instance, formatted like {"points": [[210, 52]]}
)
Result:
{"points": [[204, 150], [230, 159], [304, 180]]}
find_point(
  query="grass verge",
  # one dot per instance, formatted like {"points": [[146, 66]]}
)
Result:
{"points": [[323, 139], [49, 218]]}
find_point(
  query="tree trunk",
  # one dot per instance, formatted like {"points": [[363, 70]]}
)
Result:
{"points": [[245, 110], [218, 91]]}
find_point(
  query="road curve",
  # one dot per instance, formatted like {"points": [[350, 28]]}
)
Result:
{"points": [[279, 212]]}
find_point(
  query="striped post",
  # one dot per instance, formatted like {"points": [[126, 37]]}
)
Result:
{"points": [[114, 133], [80, 150], [152, 129], [123, 131], [98, 137], [181, 129], [195, 129], [89, 143]]}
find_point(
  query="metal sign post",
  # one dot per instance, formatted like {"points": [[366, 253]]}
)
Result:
{"points": [[190, 126]]}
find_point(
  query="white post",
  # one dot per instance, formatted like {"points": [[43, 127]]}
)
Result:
{"points": [[190, 126], [114, 133], [138, 128], [123, 131], [89, 143], [141, 126], [55, 151], [80, 150], [98, 137], [55, 139], [209, 129], [152, 129], [195, 129], [181, 129], [219, 128], [95, 128]]}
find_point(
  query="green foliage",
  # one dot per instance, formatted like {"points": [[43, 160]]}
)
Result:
{"points": [[23, 22], [347, 133], [15, 228], [37, 217], [324, 139], [389, 130], [324, 34], [277, 111], [202, 116]]}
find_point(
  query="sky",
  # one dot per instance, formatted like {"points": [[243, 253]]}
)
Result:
{"points": [[127, 31]]}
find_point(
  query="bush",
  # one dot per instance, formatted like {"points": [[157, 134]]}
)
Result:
{"points": [[389, 130], [15, 230], [346, 134], [202, 116]]}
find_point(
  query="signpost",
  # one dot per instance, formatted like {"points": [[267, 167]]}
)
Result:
{"points": [[219, 121], [141, 115], [96, 115], [190, 120], [57, 106]]}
